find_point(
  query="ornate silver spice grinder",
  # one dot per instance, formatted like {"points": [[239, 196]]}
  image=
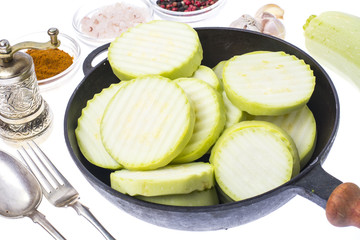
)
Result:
{"points": [[23, 112]]}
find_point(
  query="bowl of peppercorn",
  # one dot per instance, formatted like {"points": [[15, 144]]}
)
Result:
{"points": [[186, 10], [53, 65]]}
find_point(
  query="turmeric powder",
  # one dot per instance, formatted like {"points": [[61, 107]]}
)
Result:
{"points": [[49, 63]]}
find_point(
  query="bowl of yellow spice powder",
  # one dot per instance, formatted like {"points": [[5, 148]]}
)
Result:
{"points": [[52, 65]]}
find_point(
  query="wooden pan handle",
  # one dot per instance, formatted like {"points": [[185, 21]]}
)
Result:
{"points": [[343, 206]]}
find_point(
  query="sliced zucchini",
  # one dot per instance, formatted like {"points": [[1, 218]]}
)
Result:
{"points": [[253, 157], [301, 126], [233, 113], [88, 130], [147, 123], [207, 75], [210, 118], [166, 48], [168, 180], [268, 83], [206, 197], [218, 69]]}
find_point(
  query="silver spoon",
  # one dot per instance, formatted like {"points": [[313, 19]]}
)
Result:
{"points": [[21, 193]]}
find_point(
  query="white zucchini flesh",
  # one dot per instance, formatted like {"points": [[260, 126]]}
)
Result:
{"points": [[253, 157], [207, 75], [166, 48], [88, 130], [206, 197], [268, 83], [210, 118], [147, 123], [301, 126], [233, 113], [218, 69], [168, 180]]}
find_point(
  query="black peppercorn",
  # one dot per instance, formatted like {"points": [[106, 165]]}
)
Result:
{"points": [[185, 5]]}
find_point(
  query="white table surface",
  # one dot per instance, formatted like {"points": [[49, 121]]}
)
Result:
{"points": [[298, 219]]}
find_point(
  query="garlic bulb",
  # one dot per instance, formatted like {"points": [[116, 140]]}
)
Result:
{"points": [[273, 9], [247, 22], [267, 20]]}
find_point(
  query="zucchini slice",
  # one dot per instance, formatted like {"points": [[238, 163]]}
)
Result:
{"points": [[168, 180], [301, 126], [210, 118], [166, 48], [88, 130], [268, 83], [253, 157], [207, 75], [233, 113], [218, 69], [206, 197], [147, 123]]}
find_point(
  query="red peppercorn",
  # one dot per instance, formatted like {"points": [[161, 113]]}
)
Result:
{"points": [[184, 5]]}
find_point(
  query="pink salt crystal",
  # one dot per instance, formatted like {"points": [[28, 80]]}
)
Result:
{"points": [[111, 21]]}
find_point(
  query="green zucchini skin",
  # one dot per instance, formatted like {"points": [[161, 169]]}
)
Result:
{"points": [[88, 130], [333, 38], [253, 157], [159, 47], [169, 180], [268, 83]]}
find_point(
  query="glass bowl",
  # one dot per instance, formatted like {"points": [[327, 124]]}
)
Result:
{"points": [[187, 17], [90, 10], [67, 44]]}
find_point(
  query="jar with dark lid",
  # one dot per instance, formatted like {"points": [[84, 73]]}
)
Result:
{"points": [[23, 112]]}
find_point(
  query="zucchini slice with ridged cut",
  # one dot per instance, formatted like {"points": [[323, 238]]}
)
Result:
{"points": [[210, 118], [166, 48], [218, 69], [253, 157], [233, 113], [208, 75], [88, 130], [147, 123], [168, 180], [206, 197], [268, 83], [301, 126]]}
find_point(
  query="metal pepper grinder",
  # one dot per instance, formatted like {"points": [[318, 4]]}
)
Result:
{"points": [[23, 112]]}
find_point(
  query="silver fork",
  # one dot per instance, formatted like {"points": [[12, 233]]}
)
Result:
{"points": [[56, 188]]}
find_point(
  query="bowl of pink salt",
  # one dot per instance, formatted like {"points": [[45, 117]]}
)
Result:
{"points": [[101, 22]]}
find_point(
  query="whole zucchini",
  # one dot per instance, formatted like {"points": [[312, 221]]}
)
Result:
{"points": [[333, 38]]}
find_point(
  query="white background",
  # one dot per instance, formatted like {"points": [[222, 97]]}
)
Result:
{"points": [[298, 219]]}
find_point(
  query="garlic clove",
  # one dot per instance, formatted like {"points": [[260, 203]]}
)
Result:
{"points": [[274, 27], [273, 9], [265, 15], [247, 22]]}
